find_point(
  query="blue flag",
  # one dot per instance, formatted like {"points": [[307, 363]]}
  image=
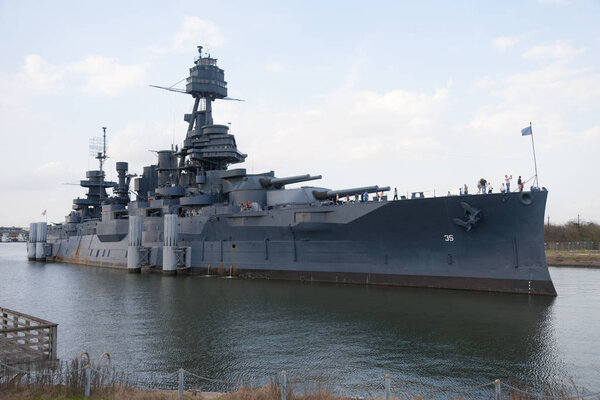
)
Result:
{"points": [[526, 131]]}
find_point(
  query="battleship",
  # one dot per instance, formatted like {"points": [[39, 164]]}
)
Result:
{"points": [[190, 213]]}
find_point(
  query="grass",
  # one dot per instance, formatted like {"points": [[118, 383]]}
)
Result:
{"points": [[584, 258], [67, 381]]}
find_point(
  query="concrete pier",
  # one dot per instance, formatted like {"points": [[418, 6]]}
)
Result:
{"points": [[171, 232], [134, 243], [31, 241], [40, 253]]}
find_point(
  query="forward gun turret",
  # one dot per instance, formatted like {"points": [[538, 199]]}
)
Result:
{"points": [[331, 194], [277, 183]]}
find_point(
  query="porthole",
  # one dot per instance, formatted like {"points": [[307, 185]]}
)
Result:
{"points": [[526, 199]]}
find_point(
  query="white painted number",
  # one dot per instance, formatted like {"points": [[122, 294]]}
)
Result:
{"points": [[449, 238]]}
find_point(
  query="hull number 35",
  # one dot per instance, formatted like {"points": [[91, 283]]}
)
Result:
{"points": [[448, 238]]}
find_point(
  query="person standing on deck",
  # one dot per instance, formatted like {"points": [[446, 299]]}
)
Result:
{"points": [[507, 180], [520, 184], [395, 193]]}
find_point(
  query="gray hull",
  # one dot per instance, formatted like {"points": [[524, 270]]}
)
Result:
{"points": [[419, 242]]}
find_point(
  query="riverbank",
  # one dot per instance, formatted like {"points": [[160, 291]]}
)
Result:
{"points": [[267, 392], [573, 258], [62, 393]]}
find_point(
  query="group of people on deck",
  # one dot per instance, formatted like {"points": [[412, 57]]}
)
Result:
{"points": [[483, 186], [359, 198]]}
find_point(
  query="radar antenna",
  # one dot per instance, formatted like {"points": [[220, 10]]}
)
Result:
{"points": [[102, 157]]}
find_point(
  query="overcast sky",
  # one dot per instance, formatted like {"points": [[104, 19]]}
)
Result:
{"points": [[421, 96]]}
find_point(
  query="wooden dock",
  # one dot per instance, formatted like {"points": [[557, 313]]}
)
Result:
{"points": [[26, 339]]}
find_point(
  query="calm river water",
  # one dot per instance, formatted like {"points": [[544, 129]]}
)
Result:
{"points": [[345, 337]]}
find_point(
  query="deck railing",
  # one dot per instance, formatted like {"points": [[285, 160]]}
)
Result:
{"points": [[25, 339]]}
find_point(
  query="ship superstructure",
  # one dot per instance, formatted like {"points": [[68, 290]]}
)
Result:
{"points": [[193, 214]]}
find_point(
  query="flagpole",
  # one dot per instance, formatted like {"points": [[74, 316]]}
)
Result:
{"points": [[537, 183]]}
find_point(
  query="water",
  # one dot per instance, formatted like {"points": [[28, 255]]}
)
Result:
{"points": [[344, 337]]}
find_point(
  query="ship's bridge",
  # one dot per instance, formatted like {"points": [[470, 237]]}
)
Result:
{"points": [[206, 79]]}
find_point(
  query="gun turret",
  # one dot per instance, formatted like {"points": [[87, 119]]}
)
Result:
{"points": [[331, 194], [277, 183]]}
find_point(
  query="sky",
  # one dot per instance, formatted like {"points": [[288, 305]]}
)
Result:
{"points": [[422, 96]]}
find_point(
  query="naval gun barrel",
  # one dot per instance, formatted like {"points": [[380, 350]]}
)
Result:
{"points": [[330, 194], [277, 183]]}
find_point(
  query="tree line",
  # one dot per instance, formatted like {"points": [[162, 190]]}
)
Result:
{"points": [[572, 231]]}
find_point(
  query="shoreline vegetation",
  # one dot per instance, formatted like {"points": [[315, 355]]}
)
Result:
{"points": [[572, 231], [267, 392], [573, 244], [69, 380]]}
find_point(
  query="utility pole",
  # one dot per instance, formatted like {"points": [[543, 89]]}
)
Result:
{"points": [[578, 220], [548, 220]]}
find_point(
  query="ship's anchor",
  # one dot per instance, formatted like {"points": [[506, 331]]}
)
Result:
{"points": [[472, 214]]}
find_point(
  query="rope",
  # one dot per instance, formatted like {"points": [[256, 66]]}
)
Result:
{"points": [[178, 82], [156, 384], [541, 396], [441, 388], [210, 379], [461, 388], [37, 373]]}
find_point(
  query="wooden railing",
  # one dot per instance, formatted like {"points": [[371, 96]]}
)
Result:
{"points": [[25, 339]]}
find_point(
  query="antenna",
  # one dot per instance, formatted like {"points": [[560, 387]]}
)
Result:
{"points": [[98, 147], [103, 146]]}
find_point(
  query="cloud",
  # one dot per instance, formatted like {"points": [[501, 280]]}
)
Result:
{"points": [[104, 75], [135, 140], [546, 93], [273, 67], [195, 31], [557, 50], [502, 43], [345, 128], [101, 75], [45, 77]]}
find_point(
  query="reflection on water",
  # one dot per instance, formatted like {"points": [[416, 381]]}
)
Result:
{"points": [[342, 336]]}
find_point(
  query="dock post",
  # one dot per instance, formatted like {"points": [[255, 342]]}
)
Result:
{"points": [[171, 233], [53, 332], [134, 242], [40, 253], [87, 381], [283, 385], [498, 394], [180, 389], [388, 387], [31, 241]]}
